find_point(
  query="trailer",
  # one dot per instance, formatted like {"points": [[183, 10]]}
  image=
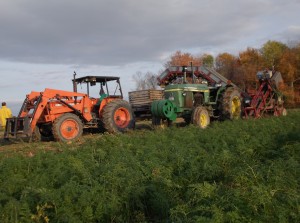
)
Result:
{"points": [[141, 100]]}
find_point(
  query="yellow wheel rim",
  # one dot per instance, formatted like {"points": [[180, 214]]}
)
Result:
{"points": [[203, 120], [236, 107]]}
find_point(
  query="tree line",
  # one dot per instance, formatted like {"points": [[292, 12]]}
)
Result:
{"points": [[241, 69]]}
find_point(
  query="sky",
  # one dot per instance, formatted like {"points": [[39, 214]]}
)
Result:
{"points": [[42, 43]]}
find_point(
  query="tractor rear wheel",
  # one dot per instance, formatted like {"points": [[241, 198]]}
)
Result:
{"points": [[118, 116], [200, 117], [67, 127], [230, 104]]}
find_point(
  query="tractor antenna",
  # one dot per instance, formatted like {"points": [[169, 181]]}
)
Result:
{"points": [[75, 86]]}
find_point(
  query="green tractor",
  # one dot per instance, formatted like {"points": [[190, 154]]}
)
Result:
{"points": [[198, 95]]}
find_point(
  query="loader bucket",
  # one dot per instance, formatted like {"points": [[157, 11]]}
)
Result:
{"points": [[17, 128]]}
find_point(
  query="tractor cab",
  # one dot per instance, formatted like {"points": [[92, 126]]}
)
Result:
{"points": [[103, 86]]}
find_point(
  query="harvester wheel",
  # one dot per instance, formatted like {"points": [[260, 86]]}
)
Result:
{"points": [[284, 112], [67, 127], [230, 104], [200, 117], [280, 112], [118, 116]]}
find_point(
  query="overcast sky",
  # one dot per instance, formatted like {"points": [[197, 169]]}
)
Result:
{"points": [[43, 42]]}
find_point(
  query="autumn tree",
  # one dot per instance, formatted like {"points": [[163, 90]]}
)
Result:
{"points": [[250, 62], [289, 67], [225, 65], [183, 59]]}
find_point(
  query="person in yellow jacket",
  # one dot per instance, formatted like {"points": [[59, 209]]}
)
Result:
{"points": [[5, 112]]}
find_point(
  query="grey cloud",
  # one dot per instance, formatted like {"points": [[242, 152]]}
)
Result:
{"points": [[291, 34], [117, 32]]}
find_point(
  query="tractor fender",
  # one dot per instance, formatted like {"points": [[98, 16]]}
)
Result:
{"points": [[220, 92]]}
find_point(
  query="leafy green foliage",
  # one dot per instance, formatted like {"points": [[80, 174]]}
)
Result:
{"points": [[272, 52], [235, 171]]}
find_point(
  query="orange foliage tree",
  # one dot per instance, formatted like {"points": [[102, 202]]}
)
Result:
{"points": [[226, 65], [250, 61], [183, 59], [289, 66]]}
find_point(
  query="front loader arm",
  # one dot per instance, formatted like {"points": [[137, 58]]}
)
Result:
{"points": [[39, 109]]}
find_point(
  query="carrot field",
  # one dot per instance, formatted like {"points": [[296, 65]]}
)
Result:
{"points": [[233, 171]]}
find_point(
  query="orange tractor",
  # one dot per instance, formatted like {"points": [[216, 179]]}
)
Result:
{"points": [[62, 115]]}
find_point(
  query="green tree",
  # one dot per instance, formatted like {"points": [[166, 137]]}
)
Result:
{"points": [[272, 52], [207, 60]]}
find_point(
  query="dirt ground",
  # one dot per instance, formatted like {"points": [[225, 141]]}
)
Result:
{"points": [[24, 145], [19, 145]]}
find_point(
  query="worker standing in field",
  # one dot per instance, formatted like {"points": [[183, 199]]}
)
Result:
{"points": [[5, 112]]}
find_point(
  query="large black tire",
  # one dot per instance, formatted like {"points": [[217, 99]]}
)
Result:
{"points": [[200, 117], [118, 116], [67, 127], [230, 104], [42, 133]]}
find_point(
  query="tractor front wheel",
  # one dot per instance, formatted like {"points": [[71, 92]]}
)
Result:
{"points": [[118, 116], [200, 117], [67, 127]]}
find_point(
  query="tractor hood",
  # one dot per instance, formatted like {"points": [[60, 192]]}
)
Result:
{"points": [[187, 87]]}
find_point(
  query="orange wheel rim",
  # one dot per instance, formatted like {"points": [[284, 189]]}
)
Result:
{"points": [[69, 129], [122, 117]]}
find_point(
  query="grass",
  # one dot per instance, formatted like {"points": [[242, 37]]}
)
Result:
{"points": [[240, 171]]}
